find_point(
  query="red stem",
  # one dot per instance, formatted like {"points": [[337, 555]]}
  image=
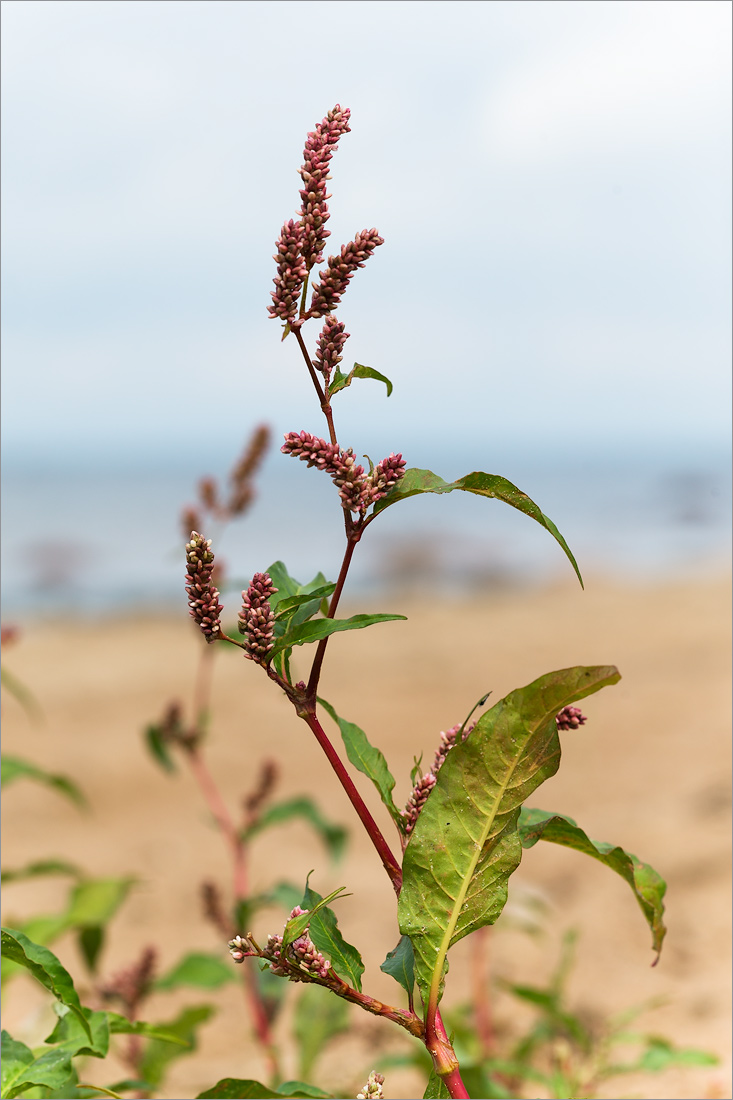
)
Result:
{"points": [[217, 806], [315, 673], [444, 1057], [322, 397], [389, 862]]}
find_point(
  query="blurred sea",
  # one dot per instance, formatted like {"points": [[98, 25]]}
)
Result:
{"points": [[90, 537]]}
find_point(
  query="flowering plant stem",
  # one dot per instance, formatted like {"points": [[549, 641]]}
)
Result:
{"points": [[465, 823]]}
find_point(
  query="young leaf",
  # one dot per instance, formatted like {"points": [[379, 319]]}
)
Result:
{"points": [[46, 968], [158, 748], [323, 628], [292, 603], [333, 836], [296, 926], [436, 1089], [232, 1088], [324, 931], [158, 1052], [41, 867], [648, 887], [197, 969], [51, 1070], [486, 485], [70, 1036], [369, 760], [120, 1025], [13, 767], [93, 904], [465, 844], [400, 965], [22, 695], [319, 1018], [341, 381]]}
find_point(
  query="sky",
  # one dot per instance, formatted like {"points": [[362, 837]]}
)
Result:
{"points": [[552, 181]]}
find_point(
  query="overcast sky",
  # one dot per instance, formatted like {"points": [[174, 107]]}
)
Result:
{"points": [[552, 181]]}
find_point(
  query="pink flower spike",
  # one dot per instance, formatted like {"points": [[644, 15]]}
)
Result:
{"points": [[291, 272], [340, 270], [319, 148]]}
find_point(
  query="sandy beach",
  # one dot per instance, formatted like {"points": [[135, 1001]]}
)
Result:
{"points": [[649, 771]]}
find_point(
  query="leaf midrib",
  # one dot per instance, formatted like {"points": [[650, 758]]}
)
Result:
{"points": [[451, 926]]}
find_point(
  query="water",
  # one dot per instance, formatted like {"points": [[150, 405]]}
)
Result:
{"points": [[86, 537]]}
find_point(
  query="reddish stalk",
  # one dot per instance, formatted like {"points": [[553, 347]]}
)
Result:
{"points": [[315, 672], [322, 397], [444, 1058], [389, 862]]}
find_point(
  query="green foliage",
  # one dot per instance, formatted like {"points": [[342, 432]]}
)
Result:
{"points": [[45, 967], [333, 836], [13, 768], [400, 965], [198, 970], [486, 485], [314, 631], [41, 867], [160, 1053], [319, 1018], [369, 760], [465, 844], [341, 381], [436, 1089], [296, 926], [22, 695], [158, 748], [324, 931], [648, 886], [232, 1088]]}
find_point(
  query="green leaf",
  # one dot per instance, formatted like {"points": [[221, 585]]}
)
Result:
{"points": [[465, 844], [233, 1088], [341, 381], [296, 926], [95, 901], [323, 628], [159, 748], [648, 887], [299, 1088], [159, 1053], [45, 967], [42, 867], [22, 695], [400, 965], [16, 1057], [90, 941], [202, 971], [51, 1070], [369, 760], [120, 1025], [13, 767], [660, 1054], [319, 1017], [324, 931], [292, 603], [73, 1038], [436, 1089], [333, 836], [486, 485]]}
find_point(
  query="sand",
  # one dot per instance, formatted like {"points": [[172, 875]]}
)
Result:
{"points": [[649, 771]]}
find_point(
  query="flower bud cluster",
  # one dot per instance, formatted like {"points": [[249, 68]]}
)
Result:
{"points": [[423, 787], [330, 347], [373, 1088], [203, 597], [241, 489], [241, 948], [256, 619], [132, 985], [340, 270], [301, 962], [357, 489], [570, 718], [291, 272], [319, 148]]}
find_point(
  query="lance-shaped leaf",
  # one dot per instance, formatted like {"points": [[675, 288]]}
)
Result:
{"points": [[465, 844], [369, 760], [400, 965], [436, 1088], [44, 966], [13, 767], [22, 1070], [296, 926], [315, 630], [333, 836], [341, 381], [197, 969], [325, 933], [648, 886], [234, 1088], [484, 485], [41, 867], [22, 694]]}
